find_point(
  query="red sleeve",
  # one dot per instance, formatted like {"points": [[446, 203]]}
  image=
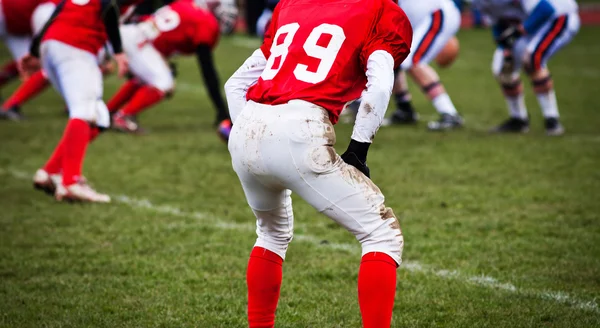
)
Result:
{"points": [[207, 32], [391, 32], [270, 32]]}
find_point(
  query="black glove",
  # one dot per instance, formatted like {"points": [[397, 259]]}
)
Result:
{"points": [[356, 155], [509, 36]]}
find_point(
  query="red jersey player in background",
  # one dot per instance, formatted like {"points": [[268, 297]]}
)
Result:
{"points": [[19, 20], [316, 57], [179, 28], [69, 47]]}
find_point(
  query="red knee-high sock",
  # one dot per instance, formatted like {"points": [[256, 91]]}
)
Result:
{"points": [[35, 84], [94, 132], [376, 289], [8, 72], [145, 97], [54, 163], [75, 140], [264, 276], [126, 91]]}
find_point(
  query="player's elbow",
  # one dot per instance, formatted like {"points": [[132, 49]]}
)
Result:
{"points": [[231, 86]]}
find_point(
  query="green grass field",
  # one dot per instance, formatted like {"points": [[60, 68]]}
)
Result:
{"points": [[500, 231]]}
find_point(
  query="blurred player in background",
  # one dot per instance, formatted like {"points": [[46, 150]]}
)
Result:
{"points": [[435, 23], [316, 57], [182, 27], [69, 45], [19, 21], [528, 33], [264, 20]]}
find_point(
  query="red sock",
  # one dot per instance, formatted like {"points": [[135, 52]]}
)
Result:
{"points": [[54, 164], [264, 282], [75, 140], [145, 97], [94, 132], [35, 84], [8, 72], [376, 289], [125, 93]]}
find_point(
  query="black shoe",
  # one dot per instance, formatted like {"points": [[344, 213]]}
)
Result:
{"points": [[401, 117], [12, 114], [553, 127], [446, 122], [512, 125]]}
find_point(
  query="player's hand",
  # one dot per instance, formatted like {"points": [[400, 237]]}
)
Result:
{"points": [[510, 35], [28, 65], [107, 67], [122, 64], [356, 155]]}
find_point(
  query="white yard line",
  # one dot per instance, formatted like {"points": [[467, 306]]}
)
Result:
{"points": [[482, 280]]}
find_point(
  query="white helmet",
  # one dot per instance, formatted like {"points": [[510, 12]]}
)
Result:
{"points": [[225, 10]]}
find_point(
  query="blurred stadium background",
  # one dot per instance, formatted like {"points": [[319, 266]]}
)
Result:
{"points": [[500, 230]]}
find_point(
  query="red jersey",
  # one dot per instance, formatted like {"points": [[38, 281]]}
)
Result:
{"points": [[80, 25], [317, 50], [18, 13], [181, 27]]}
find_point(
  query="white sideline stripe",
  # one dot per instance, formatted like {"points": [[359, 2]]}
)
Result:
{"points": [[482, 280]]}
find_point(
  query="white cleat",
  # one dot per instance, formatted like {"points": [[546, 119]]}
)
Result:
{"points": [[46, 182], [80, 192]]}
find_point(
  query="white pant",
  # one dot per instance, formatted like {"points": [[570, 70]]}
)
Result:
{"points": [[18, 45], [76, 76], [537, 49], [145, 62], [431, 35], [279, 149]]}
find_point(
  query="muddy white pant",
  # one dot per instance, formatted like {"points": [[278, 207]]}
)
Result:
{"points": [[279, 149]]}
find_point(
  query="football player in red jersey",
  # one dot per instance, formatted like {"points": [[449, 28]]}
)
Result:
{"points": [[69, 45], [179, 28], [19, 20], [316, 57]]}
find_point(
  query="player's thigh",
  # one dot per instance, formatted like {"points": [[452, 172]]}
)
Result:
{"points": [[450, 23], [150, 67], [41, 15], [352, 200], [551, 37], [272, 206], [78, 77], [18, 45]]}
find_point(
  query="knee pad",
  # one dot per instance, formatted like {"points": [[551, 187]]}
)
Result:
{"points": [[96, 113], [386, 238], [512, 89], [272, 233], [543, 85], [432, 90], [165, 85]]}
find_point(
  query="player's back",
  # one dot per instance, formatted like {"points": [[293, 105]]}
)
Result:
{"points": [[315, 50], [79, 24], [561, 7], [181, 26], [502, 9]]}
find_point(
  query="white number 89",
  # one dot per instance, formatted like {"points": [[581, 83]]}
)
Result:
{"points": [[326, 54]]}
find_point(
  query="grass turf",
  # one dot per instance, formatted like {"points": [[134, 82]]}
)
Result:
{"points": [[500, 231]]}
